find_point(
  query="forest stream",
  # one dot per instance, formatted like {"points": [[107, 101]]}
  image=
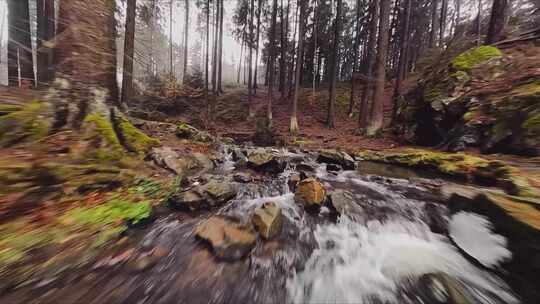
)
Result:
{"points": [[393, 243]]}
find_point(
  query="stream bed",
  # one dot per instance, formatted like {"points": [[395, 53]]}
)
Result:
{"points": [[397, 244]]}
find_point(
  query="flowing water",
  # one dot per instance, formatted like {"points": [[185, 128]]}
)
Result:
{"points": [[387, 253]]}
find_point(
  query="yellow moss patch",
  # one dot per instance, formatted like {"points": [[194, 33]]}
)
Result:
{"points": [[103, 142], [459, 165], [135, 139], [472, 57], [27, 122]]}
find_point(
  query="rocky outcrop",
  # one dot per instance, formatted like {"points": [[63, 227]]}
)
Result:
{"points": [[212, 194], [167, 158], [185, 131], [264, 161], [267, 220], [483, 99], [337, 158], [462, 166], [310, 193], [344, 203], [229, 241]]}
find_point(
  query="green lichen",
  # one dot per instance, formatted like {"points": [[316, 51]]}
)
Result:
{"points": [[29, 122], [135, 140], [467, 60]]}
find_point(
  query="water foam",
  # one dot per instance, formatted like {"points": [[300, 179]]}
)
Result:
{"points": [[356, 263]]}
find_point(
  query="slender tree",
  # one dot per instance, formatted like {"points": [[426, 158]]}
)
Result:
{"points": [[129, 42], [442, 21], [497, 21], [334, 63], [377, 114], [206, 61], [45, 33], [19, 44], [355, 54], [294, 128], [434, 23], [171, 69], [259, 8], [220, 50], [250, 77], [372, 42], [272, 59], [215, 48], [186, 41]]}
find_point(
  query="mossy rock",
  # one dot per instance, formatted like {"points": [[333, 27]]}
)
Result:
{"points": [[30, 122], [467, 60], [100, 141], [134, 139], [459, 165]]}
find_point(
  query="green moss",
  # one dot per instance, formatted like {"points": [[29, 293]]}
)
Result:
{"points": [[109, 148], [472, 57], [468, 116], [117, 211], [19, 236], [459, 165], [29, 122], [136, 140], [532, 121]]}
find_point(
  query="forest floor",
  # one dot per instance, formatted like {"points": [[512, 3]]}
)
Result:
{"points": [[231, 119]]}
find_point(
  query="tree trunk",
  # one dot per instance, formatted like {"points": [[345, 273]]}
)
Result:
{"points": [[240, 59], [497, 21], [250, 77], [377, 115], [186, 42], [403, 50], [259, 7], [85, 57], [19, 44], [220, 59], [171, 71], [45, 33], [271, 73], [355, 56], [293, 55], [283, 45], [479, 22], [127, 74], [365, 108], [206, 63], [334, 68], [215, 48], [442, 28], [294, 128], [434, 23]]}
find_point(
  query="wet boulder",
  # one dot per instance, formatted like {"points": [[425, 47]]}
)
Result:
{"points": [[242, 177], [229, 241], [344, 203], [267, 220], [333, 168], [305, 167], [212, 194], [264, 161], [189, 200], [169, 159], [310, 193], [218, 192], [336, 157]]}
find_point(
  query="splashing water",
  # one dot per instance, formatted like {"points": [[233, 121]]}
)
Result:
{"points": [[356, 263]]}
